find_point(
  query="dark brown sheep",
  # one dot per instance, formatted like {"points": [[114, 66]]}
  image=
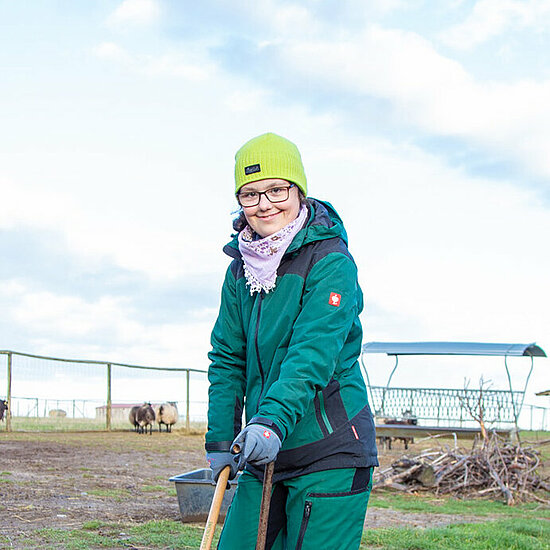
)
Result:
{"points": [[132, 417], [145, 417]]}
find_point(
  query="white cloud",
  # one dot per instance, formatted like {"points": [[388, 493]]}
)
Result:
{"points": [[432, 92], [135, 13], [491, 18], [441, 255], [103, 329], [447, 256], [111, 51], [246, 100], [176, 65], [72, 316]]}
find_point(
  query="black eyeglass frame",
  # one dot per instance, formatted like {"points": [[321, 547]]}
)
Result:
{"points": [[260, 193]]}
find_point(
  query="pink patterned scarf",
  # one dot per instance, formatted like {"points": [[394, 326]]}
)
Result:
{"points": [[262, 257]]}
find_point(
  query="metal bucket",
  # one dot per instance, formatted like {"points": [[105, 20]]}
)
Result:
{"points": [[195, 491]]}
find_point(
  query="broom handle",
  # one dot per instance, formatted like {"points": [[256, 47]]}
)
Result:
{"points": [[215, 509]]}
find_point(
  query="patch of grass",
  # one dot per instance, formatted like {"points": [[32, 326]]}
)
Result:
{"points": [[113, 441], [24, 423], [5, 473], [73, 540], [533, 435], [67, 424], [95, 534], [153, 488], [91, 525], [518, 534], [117, 494], [468, 507], [168, 489]]}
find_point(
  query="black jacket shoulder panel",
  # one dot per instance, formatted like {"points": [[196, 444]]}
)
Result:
{"points": [[237, 268], [302, 261]]}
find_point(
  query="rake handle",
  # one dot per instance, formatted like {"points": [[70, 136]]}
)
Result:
{"points": [[264, 507]]}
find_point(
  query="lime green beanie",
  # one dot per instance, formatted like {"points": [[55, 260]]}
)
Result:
{"points": [[269, 156]]}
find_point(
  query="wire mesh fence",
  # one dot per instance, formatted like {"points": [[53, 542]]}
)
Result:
{"points": [[50, 393]]}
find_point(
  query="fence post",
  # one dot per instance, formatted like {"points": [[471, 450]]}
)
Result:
{"points": [[187, 423], [8, 396], [109, 404]]}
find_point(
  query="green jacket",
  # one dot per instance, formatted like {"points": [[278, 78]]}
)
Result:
{"points": [[291, 355]]}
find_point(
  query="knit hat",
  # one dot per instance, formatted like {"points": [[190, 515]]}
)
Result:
{"points": [[269, 156]]}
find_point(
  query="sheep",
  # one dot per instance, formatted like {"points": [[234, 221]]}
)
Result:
{"points": [[167, 414], [57, 413], [145, 417], [3, 407], [132, 417]]}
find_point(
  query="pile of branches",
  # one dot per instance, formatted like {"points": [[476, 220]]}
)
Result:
{"points": [[494, 468]]}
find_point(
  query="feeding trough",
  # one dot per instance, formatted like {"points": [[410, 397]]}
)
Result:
{"points": [[195, 491]]}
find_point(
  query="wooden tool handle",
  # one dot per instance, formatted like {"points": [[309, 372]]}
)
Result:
{"points": [[215, 507], [264, 508]]}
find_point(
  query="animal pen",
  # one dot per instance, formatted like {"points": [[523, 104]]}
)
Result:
{"points": [[443, 410], [51, 393], [79, 394]]}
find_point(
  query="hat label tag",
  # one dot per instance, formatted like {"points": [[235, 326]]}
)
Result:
{"points": [[252, 169]]}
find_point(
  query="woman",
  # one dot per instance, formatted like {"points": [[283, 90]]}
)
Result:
{"points": [[286, 344]]}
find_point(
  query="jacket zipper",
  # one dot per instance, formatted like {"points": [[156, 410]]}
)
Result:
{"points": [[319, 415], [323, 412], [303, 527], [258, 350]]}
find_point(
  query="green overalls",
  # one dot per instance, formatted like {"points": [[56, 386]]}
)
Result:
{"points": [[291, 354]]}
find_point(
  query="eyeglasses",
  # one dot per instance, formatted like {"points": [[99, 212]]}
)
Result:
{"points": [[274, 195]]}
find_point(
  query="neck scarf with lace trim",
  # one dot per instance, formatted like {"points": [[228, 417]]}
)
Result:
{"points": [[262, 257]]}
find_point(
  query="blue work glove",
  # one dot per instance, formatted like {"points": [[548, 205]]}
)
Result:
{"points": [[258, 444], [218, 460]]}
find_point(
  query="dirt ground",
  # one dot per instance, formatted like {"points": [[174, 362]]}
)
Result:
{"points": [[63, 480]]}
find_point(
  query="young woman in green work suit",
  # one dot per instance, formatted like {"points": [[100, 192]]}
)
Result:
{"points": [[284, 350]]}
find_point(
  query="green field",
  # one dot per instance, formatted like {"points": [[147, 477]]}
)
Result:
{"points": [[102, 476], [512, 533], [47, 424]]}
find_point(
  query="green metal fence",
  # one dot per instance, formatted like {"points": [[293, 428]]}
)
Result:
{"points": [[85, 394]]}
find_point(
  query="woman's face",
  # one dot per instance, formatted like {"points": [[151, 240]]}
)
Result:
{"points": [[266, 217]]}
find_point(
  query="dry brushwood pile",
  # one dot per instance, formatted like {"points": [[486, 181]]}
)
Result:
{"points": [[494, 468]]}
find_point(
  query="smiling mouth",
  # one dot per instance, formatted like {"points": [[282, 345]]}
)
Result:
{"points": [[268, 217]]}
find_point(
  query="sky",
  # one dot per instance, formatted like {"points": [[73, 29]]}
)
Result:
{"points": [[425, 124]]}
